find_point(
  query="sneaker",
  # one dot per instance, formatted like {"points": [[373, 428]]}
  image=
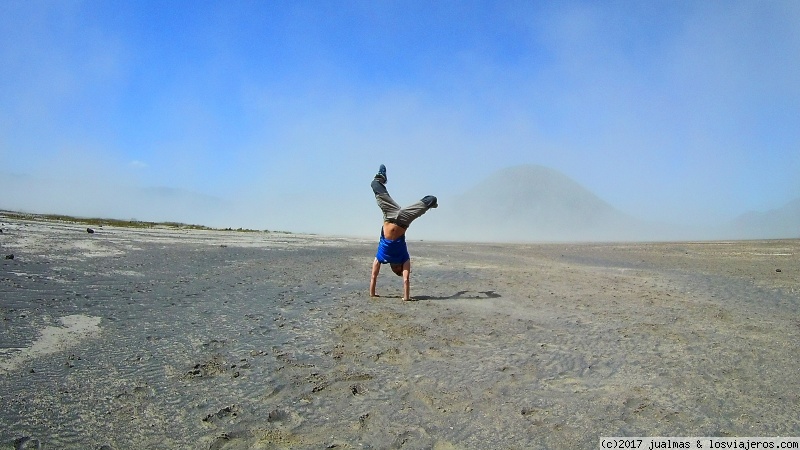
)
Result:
{"points": [[430, 201], [382, 173]]}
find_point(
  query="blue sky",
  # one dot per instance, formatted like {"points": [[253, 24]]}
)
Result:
{"points": [[278, 113]]}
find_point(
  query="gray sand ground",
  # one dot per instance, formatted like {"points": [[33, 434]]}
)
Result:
{"points": [[162, 338]]}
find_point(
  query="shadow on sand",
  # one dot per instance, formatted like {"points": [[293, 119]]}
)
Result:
{"points": [[460, 295]]}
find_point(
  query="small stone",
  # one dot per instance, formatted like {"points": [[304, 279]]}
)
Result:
{"points": [[777, 270], [90, 231], [10, 256], [277, 415], [27, 442]]}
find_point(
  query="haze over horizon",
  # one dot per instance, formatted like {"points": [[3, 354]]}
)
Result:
{"points": [[276, 115]]}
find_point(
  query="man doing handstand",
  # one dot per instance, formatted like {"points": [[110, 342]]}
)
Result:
{"points": [[392, 248]]}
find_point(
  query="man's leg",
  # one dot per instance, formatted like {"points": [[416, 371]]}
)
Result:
{"points": [[385, 201], [412, 212]]}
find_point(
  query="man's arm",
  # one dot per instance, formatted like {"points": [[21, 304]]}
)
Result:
{"points": [[376, 268], [407, 280]]}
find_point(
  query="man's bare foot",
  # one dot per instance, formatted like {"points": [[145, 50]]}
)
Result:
{"points": [[374, 295]]}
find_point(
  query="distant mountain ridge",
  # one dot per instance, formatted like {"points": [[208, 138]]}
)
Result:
{"points": [[88, 198], [535, 203], [527, 203], [532, 203], [783, 222]]}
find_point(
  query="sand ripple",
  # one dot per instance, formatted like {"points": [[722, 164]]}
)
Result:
{"points": [[52, 339]]}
